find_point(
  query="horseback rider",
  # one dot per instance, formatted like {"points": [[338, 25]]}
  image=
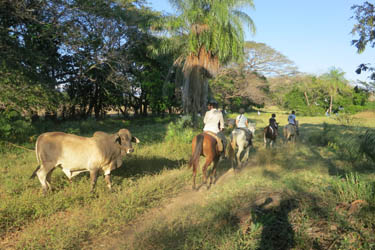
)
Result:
{"points": [[273, 124], [242, 123], [214, 124], [292, 120]]}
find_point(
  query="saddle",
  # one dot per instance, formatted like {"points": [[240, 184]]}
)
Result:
{"points": [[273, 130], [248, 133], [220, 146]]}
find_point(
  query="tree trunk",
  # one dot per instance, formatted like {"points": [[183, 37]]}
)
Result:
{"points": [[197, 69], [307, 98], [330, 104]]}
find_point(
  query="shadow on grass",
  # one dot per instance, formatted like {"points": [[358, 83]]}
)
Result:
{"points": [[143, 165], [277, 231]]}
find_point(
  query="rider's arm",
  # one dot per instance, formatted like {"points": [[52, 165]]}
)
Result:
{"points": [[205, 117], [221, 121]]}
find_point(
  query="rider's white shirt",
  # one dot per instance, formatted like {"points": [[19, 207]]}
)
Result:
{"points": [[241, 121], [291, 119], [212, 120]]}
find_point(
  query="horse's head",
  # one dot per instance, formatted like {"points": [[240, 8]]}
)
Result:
{"points": [[251, 127]]}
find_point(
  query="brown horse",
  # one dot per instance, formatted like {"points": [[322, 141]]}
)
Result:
{"points": [[205, 145], [269, 136]]}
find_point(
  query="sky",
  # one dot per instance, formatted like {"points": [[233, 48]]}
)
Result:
{"points": [[315, 35]]}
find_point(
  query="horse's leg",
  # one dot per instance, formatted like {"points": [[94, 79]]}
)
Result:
{"points": [[213, 173], [265, 141], [194, 175], [239, 152], [246, 156], [204, 169]]}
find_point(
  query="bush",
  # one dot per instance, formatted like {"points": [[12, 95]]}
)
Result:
{"points": [[367, 147], [14, 127], [181, 130], [353, 188]]}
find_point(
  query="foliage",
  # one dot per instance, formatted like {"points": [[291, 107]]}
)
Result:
{"points": [[328, 92], [238, 86], [364, 28], [87, 50], [209, 33], [13, 126], [181, 130], [264, 60], [366, 146], [353, 188]]}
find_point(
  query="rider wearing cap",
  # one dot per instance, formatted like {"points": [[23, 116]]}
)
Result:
{"points": [[214, 122]]}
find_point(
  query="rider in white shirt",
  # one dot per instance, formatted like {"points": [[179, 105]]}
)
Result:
{"points": [[292, 120], [214, 122], [242, 123]]}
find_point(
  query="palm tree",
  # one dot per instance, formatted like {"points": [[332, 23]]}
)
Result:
{"points": [[210, 34], [335, 79]]}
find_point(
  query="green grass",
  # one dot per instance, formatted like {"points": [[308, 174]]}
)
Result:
{"points": [[291, 197]]}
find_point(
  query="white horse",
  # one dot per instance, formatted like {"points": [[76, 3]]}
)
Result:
{"points": [[290, 133], [238, 139]]}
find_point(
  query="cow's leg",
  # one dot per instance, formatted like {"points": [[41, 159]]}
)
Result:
{"points": [[42, 174], [107, 178], [93, 177], [48, 179]]}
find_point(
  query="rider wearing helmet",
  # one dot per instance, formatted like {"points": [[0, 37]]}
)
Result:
{"points": [[273, 124]]}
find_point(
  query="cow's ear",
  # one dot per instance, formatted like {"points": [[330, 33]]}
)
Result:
{"points": [[117, 139], [135, 139]]}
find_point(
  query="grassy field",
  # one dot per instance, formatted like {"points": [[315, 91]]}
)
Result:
{"points": [[316, 194]]}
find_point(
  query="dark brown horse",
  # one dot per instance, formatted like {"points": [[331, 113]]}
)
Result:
{"points": [[205, 145], [269, 136]]}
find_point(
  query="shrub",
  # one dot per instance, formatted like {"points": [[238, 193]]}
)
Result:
{"points": [[181, 130], [367, 147], [353, 188], [14, 127]]}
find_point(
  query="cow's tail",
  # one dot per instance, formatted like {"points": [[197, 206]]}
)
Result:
{"points": [[37, 158], [197, 151], [34, 173]]}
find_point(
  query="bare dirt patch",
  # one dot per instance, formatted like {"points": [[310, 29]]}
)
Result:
{"points": [[163, 213]]}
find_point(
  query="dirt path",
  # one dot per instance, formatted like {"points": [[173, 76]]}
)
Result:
{"points": [[166, 212]]}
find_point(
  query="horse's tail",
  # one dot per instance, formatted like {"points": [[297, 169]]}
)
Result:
{"points": [[197, 151], [286, 132], [265, 134]]}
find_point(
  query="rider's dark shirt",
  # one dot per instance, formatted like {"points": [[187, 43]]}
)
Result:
{"points": [[273, 122]]}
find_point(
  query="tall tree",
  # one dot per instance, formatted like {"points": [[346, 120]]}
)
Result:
{"points": [[263, 59], [212, 35], [365, 28], [335, 81]]}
